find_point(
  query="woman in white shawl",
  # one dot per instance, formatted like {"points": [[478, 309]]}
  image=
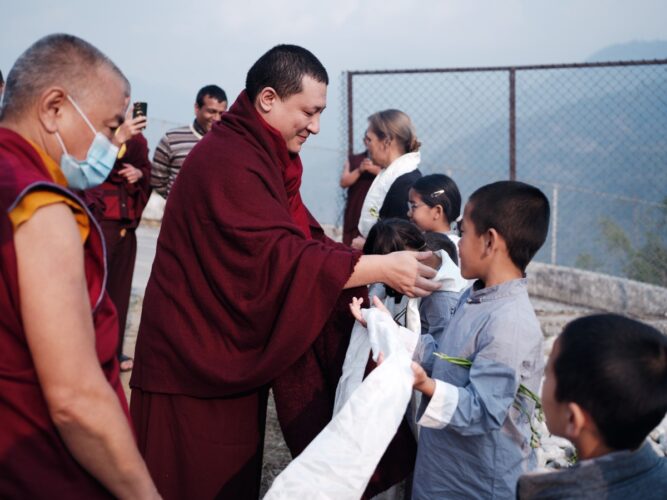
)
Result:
{"points": [[392, 143]]}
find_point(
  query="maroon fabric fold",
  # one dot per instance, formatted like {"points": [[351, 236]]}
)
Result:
{"points": [[292, 171]]}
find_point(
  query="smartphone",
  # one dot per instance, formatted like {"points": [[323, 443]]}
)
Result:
{"points": [[139, 109]]}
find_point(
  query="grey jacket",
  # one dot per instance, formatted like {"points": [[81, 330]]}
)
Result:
{"points": [[622, 475]]}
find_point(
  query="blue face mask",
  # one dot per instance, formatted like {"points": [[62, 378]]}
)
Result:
{"points": [[93, 171]]}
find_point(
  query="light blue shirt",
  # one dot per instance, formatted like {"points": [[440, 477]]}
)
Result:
{"points": [[473, 442]]}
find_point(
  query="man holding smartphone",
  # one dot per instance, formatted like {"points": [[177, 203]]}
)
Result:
{"points": [[177, 143]]}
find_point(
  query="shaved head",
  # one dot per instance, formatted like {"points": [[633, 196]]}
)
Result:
{"points": [[57, 60]]}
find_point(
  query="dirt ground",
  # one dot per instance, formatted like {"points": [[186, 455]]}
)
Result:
{"points": [[276, 454]]}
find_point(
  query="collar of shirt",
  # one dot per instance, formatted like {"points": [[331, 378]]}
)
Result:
{"points": [[507, 289], [197, 130]]}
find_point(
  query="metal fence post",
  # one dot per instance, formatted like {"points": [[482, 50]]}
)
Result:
{"points": [[512, 74], [554, 225], [350, 111]]}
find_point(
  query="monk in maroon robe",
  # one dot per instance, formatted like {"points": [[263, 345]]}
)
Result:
{"points": [[358, 175], [64, 421], [117, 204], [245, 293]]}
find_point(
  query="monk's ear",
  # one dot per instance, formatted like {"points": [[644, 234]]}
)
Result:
{"points": [[266, 98], [50, 108]]}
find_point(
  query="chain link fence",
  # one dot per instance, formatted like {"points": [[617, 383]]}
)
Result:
{"points": [[592, 136]]}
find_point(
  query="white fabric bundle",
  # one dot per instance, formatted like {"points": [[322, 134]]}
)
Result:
{"points": [[339, 462]]}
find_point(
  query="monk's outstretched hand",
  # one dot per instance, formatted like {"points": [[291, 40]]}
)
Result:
{"points": [[407, 274]]}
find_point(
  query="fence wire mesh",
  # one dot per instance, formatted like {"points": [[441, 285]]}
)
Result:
{"points": [[593, 137]]}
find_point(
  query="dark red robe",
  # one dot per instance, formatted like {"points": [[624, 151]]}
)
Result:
{"points": [[354, 199], [118, 206], [34, 460], [245, 292]]}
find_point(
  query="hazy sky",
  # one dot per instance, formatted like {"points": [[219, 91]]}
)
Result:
{"points": [[169, 49], [172, 48]]}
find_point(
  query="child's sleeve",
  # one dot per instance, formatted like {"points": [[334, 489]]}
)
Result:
{"points": [[483, 403]]}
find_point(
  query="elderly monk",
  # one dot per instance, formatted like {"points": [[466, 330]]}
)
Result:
{"points": [[246, 292], [65, 423]]}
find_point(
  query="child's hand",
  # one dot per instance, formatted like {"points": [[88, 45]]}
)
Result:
{"points": [[423, 383], [377, 303], [355, 308]]}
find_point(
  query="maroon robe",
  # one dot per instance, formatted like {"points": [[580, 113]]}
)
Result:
{"points": [[34, 460], [118, 206], [354, 199], [245, 292]]}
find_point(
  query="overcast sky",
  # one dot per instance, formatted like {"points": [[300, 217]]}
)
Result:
{"points": [[172, 48], [169, 49]]}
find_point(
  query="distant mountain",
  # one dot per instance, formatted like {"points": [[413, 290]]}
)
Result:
{"points": [[595, 138], [631, 51]]}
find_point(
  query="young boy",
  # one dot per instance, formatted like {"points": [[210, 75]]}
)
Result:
{"points": [[605, 389], [475, 429]]}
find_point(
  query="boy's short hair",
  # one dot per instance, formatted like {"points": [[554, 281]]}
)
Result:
{"points": [[518, 211], [615, 368], [438, 241]]}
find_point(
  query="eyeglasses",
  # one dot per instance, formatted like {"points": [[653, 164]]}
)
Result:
{"points": [[414, 206]]}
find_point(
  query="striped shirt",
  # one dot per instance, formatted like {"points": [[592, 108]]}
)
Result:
{"points": [[169, 156]]}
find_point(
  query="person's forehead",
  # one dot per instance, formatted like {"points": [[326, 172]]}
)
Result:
{"points": [[107, 100], [212, 102], [313, 93]]}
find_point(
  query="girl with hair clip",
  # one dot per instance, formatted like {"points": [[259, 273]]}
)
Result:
{"points": [[392, 144], [434, 204]]}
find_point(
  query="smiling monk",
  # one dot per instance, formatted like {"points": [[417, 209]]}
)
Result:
{"points": [[246, 292]]}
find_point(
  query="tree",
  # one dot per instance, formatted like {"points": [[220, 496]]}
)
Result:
{"points": [[648, 262]]}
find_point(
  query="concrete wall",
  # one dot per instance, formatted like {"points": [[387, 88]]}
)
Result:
{"points": [[599, 291]]}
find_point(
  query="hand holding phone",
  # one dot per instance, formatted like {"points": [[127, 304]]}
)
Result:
{"points": [[139, 109]]}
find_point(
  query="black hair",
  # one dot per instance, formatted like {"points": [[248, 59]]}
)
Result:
{"points": [[212, 91], [440, 189], [438, 241], [518, 211], [283, 68], [393, 235], [615, 368], [2, 79]]}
